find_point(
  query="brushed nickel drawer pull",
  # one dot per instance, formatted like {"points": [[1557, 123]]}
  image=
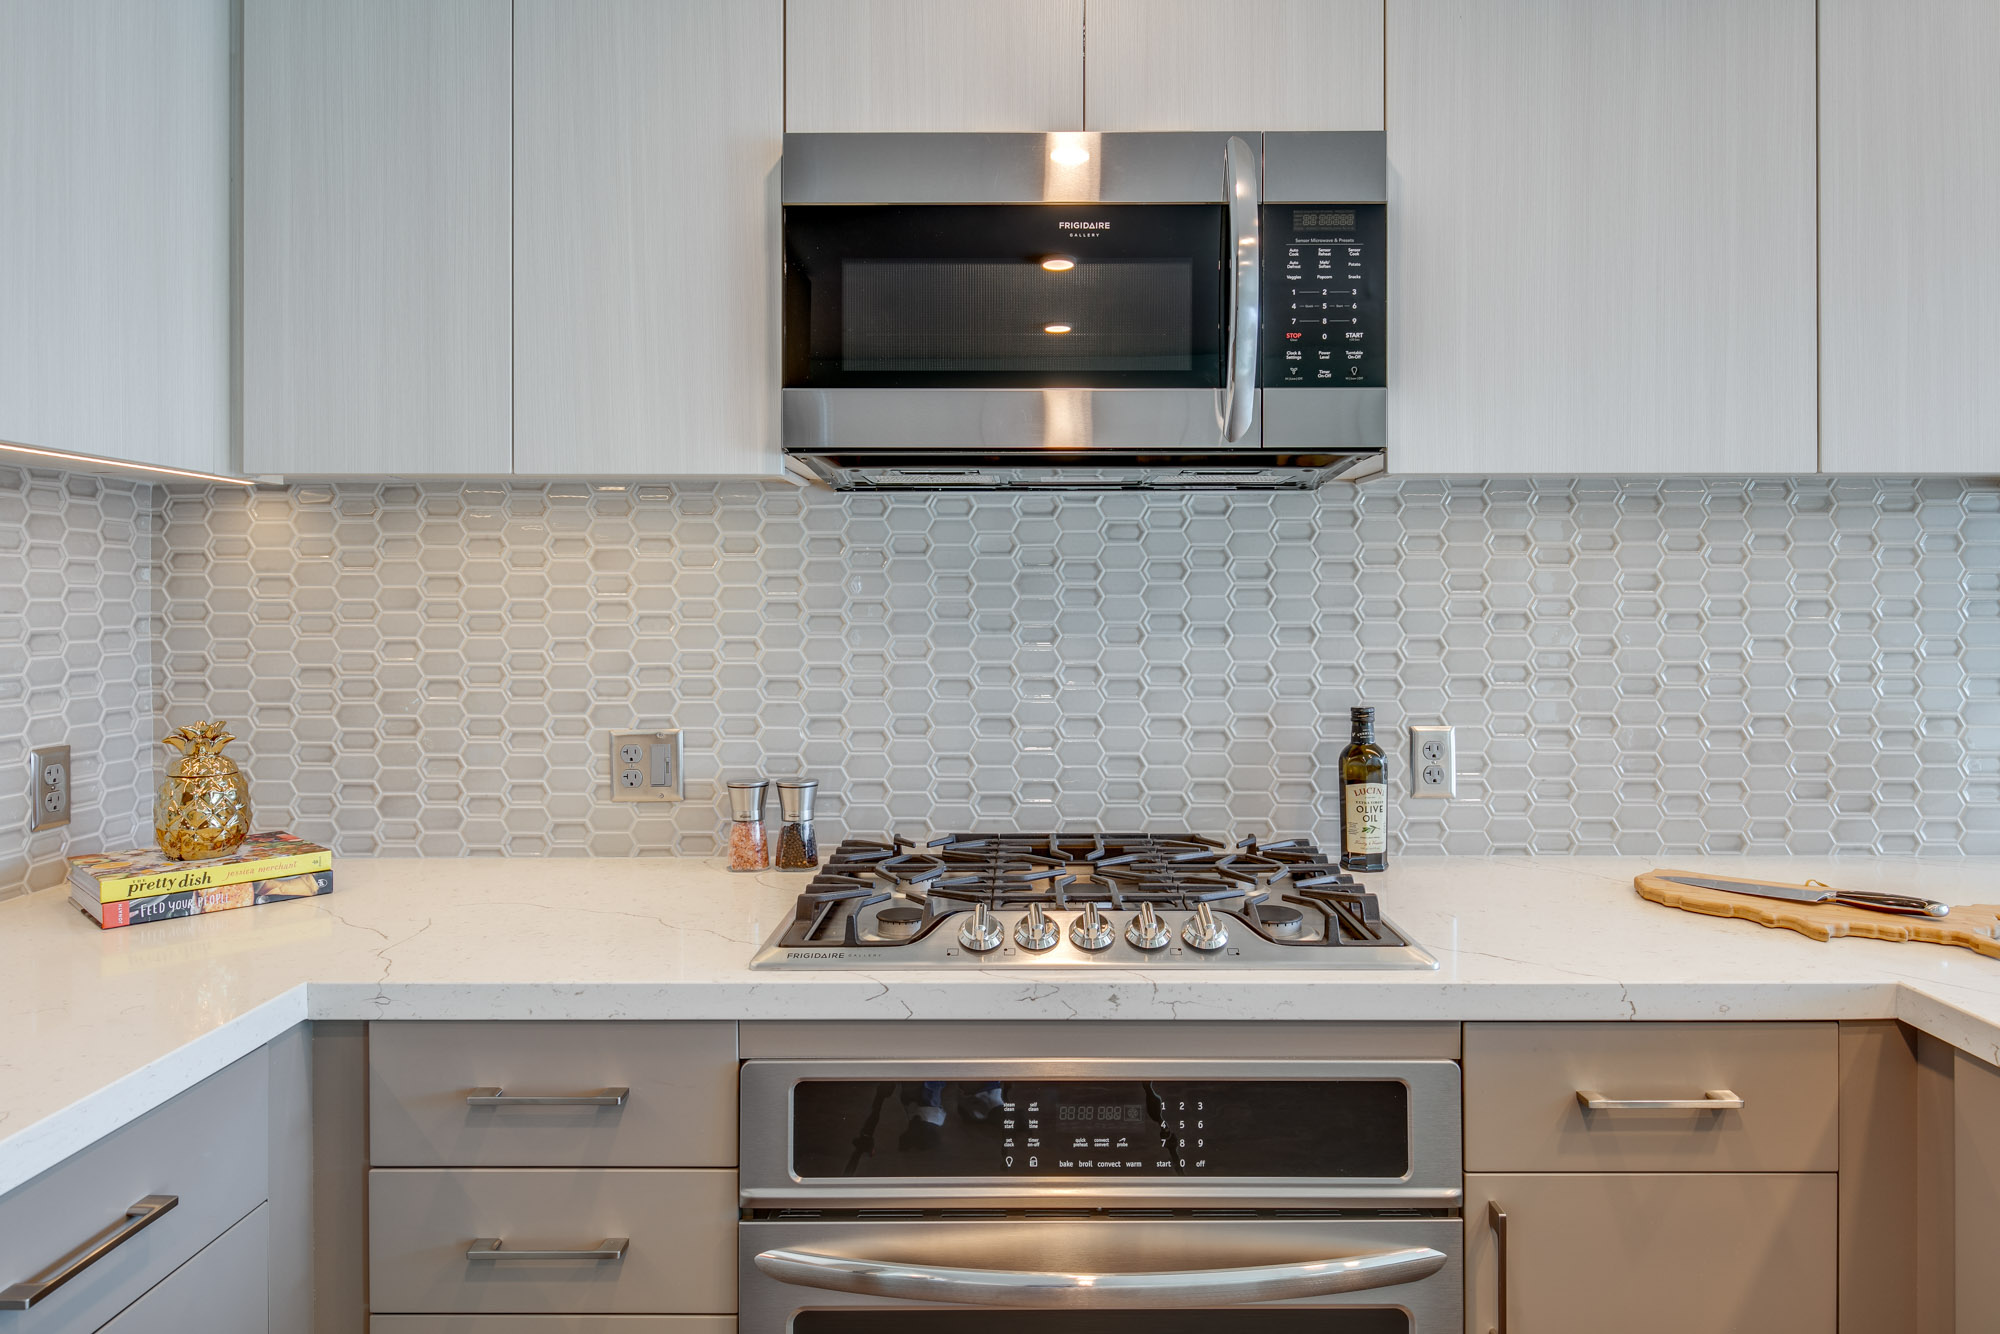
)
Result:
{"points": [[1496, 1218], [488, 1248], [138, 1218], [493, 1097], [1714, 1100]]}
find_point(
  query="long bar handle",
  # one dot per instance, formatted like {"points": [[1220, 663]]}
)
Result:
{"points": [[1714, 1100], [138, 1218], [488, 1248], [493, 1097], [1239, 393], [1496, 1218], [1099, 1291]]}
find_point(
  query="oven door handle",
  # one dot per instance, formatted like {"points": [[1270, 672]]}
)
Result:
{"points": [[1239, 389], [1038, 1288]]}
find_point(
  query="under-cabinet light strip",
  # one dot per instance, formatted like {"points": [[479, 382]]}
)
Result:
{"points": [[121, 465]]}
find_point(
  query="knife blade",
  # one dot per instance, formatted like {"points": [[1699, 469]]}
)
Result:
{"points": [[1905, 904]]}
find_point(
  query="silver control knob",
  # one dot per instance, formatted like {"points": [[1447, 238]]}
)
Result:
{"points": [[1148, 930], [1037, 931], [981, 932], [1092, 931], [1203, 931]]}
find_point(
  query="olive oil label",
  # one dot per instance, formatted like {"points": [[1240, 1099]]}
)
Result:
{"points": [[1367, 813]]}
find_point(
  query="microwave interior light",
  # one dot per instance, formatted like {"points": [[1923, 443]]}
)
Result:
{"points": [[1055, 328], [1070, 155], [1058, 263]]}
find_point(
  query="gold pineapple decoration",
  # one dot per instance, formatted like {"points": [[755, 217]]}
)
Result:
{"points": [[203, 808]]}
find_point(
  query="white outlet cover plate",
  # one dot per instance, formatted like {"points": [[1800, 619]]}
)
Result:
{"points": [[1433, 761], [646, 766]]}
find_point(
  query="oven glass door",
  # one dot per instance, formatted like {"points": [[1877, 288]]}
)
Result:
{"points": [[1004, 296]]}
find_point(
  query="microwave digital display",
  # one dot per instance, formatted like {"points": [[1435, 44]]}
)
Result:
{"points": [[1309, 219]]}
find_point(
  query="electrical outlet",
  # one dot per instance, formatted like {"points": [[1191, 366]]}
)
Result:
{"points": [[1433, 762], [646, 766], [49, 781]]}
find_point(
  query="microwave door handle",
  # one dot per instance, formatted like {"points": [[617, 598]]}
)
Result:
{"points": [[1048, 1290], [1241, 189]]}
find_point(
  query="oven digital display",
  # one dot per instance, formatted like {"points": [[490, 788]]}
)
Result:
{"points": [[1324, 1129]]}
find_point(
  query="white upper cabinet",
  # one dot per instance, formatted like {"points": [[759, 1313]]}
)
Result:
{"points": [[1601, 236], [377, 206], [114, 229], [646, 144], [1909, 236], [1233, 65], [890, 65]]}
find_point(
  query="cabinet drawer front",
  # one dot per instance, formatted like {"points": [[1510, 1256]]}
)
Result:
{"points": [[552, 1324], [679, 1226], [209, 1147], [1523, 1114], [1649, 1253], [679, 1108], [224, 1290]]}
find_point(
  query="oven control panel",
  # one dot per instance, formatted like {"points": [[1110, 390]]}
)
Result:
{"points": [[1323, 296], [985, 1128]]}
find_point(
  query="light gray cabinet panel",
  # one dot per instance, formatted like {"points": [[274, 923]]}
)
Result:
{"points": [[377, 188], [1601, 236], [680, 1228], [647, 136], [1233, 65], [1909, 273], [114, 228], [208, 1147], [1976, 1158], [220, 1291], [882, 65], [679, 1109], [552, 1324]]}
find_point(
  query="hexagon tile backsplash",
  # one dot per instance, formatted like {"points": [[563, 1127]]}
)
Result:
{"points": [[1643, 667], [76, 636]]}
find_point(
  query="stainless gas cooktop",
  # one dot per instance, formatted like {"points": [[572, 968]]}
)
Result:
{"points": [[1080, 900]]}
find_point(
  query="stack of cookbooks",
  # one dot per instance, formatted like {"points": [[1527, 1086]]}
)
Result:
{"points": [[145, 885]]}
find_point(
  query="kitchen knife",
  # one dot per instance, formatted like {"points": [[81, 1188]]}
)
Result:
{"points": [[1895, 903]]}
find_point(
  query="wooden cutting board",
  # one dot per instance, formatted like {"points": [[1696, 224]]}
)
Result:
{"points": [[1970, 925]]}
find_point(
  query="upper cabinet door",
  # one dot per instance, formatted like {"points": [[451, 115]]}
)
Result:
{"points": [[647, 136], [1233, 65], [114, 228], [1601, 236], [1910, 271], [377, 188], [900, 65]]}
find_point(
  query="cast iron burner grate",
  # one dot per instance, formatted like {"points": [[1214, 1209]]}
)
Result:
{"points": [[877, 901]]}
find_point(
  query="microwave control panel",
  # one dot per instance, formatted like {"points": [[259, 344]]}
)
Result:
{"points": [[1323, 296]]}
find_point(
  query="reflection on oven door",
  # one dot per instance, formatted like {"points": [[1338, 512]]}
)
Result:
{"points": [[1072, 1275]]}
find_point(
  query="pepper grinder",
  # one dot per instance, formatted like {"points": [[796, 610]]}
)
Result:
{"points": [[798, 845], [749, 850]]}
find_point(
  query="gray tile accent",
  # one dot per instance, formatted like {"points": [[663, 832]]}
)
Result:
{"points": [[1648, 667], [76, 639]]}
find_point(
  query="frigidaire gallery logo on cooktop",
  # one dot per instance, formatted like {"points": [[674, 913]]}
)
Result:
{"points": [[1084, 226]]}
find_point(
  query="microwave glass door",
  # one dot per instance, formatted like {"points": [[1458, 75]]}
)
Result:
{"points": [[1004, 296]]}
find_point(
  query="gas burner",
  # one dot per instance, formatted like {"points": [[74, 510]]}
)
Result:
{"points": [[1086, 899]]}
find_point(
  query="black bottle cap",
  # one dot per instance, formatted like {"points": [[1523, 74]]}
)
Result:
{"points": [[1362, 714]]}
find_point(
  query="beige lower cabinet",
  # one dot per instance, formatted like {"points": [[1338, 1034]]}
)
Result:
{"points": [[677, 1228], [552, 1324], [1651, 1253]]}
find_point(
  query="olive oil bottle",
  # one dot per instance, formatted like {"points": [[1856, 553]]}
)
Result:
{"points": [[1364, 799]]}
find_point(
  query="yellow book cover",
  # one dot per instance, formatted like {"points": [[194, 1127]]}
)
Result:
{"points": [[143, 872]]}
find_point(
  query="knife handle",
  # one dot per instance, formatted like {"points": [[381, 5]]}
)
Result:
{"points": [[1899, 903]]}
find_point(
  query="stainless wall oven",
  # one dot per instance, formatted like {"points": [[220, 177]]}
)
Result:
{"points": [[1100, 1196], [1084, 310]]}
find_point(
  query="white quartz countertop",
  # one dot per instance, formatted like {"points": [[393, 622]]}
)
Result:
{"points": [[98, 1027]]}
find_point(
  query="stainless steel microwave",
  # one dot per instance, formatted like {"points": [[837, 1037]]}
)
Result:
{"points": [[1084, 311]]}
